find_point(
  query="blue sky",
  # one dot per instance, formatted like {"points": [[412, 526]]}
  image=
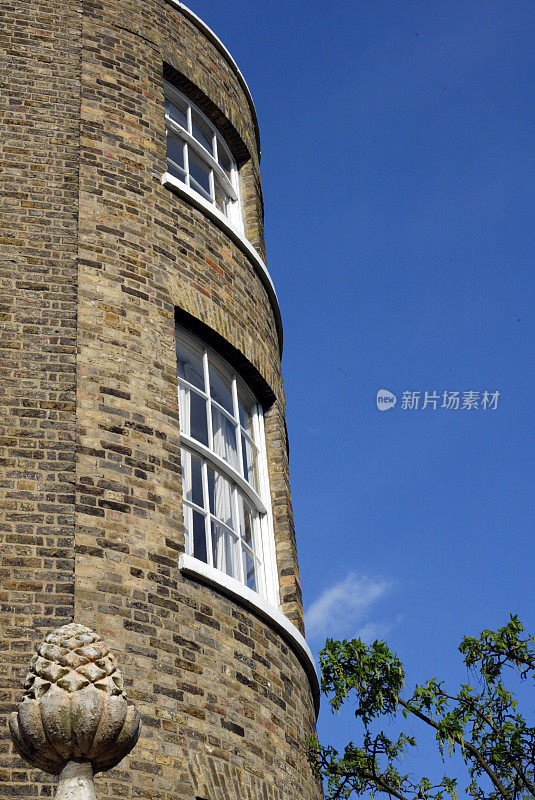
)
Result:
{"points": [[398, 172]]}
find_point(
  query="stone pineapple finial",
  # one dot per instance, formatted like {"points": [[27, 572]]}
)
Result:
{"points": [[74, 718]]}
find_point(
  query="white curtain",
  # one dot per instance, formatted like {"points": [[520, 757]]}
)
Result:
{"points": [[222, 540], [224, 432], [184, 410], [249, 530], [185, 458]]}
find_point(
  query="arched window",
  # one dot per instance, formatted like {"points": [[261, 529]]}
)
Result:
{"points": [[224, 469], [198, 156]]}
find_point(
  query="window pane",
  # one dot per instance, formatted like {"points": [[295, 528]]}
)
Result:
{"points": [[220, 389], [246, 523], [189, 365], [249, 462], [245, 408], [199, 171], [198, 188], [220, 498], [223, 158], [198, 424], [249, 570], [201, 131], [177, 172], [175, 150], [192, 477], [183, 408], [175, 158], [175, 113], [224, 438], [221, 197], [224, 550], [198, 536], [188, 525]]}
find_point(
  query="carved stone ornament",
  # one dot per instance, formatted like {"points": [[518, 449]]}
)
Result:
{"points": [[74, 718]]}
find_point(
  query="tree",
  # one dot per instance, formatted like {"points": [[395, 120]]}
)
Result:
{"points": [[481, 723]]}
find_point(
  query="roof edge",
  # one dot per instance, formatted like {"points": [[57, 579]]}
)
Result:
{"points": [[216, 41]]}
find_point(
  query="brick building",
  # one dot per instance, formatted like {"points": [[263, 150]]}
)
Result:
{"points": [[143, 455]]}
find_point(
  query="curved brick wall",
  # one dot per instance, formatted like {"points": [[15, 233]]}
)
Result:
{"points": [[96, 256]]}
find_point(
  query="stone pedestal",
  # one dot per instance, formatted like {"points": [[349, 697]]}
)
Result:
{"points": [[76, 782]]}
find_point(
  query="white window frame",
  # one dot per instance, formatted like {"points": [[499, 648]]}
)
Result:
{"points": [[230, 185], [258, 498]]}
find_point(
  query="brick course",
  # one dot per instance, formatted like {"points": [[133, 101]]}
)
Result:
{"points": [[95, 256]]}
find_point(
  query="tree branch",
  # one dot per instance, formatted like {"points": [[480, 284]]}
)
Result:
{"points": [[340, 787], [474, 706], [384, 785], [474, 752]]}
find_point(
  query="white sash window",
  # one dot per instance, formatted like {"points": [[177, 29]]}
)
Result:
{"points": [[227, 505], [198, 156]]}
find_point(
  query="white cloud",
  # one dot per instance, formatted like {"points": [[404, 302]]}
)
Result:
{"points": [[372, 631], [343, 609]]}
